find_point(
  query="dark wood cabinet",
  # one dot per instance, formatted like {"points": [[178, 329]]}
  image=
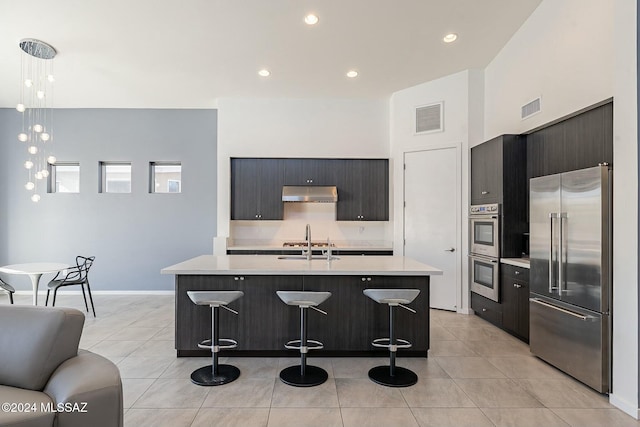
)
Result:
{"points": [[496, 167], [486, 172], [515, 300], [499, 175], [309, 172], [489, 310], [363, 186], [363, 190], [577, 142], [256, 189]]}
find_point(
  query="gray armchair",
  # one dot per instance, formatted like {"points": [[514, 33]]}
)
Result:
{"points": [[45, 380]]}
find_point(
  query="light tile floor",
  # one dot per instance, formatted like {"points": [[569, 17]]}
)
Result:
{"points": [[476, 375]]}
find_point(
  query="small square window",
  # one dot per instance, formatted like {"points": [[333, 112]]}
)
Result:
{"points": [[64, 177], [115, 177], [165, 177]]}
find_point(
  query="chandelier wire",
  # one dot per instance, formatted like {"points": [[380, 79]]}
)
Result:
{"points": [[36, 107]]}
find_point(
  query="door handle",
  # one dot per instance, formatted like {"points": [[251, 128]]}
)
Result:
{"points": [[450, 250], [552, 215], [562, 216]]}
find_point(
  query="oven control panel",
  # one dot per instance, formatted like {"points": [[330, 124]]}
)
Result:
{"points": [[493, 208]]}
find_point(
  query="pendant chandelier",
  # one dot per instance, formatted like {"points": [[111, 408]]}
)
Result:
{"points": [[36, 108]]}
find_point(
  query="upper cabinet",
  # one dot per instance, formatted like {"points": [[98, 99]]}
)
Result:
{"points": [[498, 169], [309, 172], [363, 186], [363, 190], [499, 175], [577, 142], [256, 189], [486, 172]]}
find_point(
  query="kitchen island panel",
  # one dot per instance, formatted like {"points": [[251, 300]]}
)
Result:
{"points": [[265, 323], [262, 323], [354, 320]]}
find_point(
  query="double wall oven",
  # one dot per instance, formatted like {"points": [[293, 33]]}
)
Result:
{"points": [[484, 250]]}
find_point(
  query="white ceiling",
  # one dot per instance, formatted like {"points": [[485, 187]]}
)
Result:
{"points": [[188, 53]]}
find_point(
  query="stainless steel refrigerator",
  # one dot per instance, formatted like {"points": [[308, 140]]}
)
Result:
{"points": [[570, 277]]}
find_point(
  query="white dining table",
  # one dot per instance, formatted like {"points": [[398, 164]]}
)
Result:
{"points": [[34, 270]]}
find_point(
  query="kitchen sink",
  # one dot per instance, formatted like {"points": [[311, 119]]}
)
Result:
{"points": [[303, 257]]}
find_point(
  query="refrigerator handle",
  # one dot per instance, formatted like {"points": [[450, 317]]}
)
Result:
{"points": [[561, 264], [563, 310], [552, 215]]}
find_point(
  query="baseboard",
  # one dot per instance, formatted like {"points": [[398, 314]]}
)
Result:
{"points": [[66, 292], [625, 406], [465, 311]]}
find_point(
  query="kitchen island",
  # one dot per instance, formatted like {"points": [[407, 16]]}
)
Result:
{"points": [[265, 323]]}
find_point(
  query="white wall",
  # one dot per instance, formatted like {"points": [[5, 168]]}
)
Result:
{"points": [[625, 208], [563, 53], [462, 94], [331, 128], [575, 53]]}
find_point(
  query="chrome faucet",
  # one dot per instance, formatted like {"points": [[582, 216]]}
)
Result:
{"points": [[307, 237], [328, 253]]}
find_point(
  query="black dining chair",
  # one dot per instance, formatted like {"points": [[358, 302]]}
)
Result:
{"points": [[78, 275], [8, 288]]}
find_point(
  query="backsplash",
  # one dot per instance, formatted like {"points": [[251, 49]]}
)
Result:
{"points": [[321, 216]]}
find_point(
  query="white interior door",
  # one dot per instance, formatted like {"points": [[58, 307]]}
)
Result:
{"points": [[432, 219]]}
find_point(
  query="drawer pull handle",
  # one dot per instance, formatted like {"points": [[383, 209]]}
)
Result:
{"points": [[515, 285], [569, 312], [484, 193], [517, 272], [484, 309]]}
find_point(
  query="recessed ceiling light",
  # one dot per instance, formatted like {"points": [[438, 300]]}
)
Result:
{"points": [[264, 73], [352, 73], [451, 37], [311, 19]]}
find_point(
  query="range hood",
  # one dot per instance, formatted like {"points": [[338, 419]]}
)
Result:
{"points": [[307, 193]]}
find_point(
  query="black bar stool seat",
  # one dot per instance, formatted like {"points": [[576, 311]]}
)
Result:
{"points": [[303, 375], [392, 375], [215, 374]]}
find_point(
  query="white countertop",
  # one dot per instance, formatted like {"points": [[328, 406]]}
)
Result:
{"points": [[517, 262], [271, 265]]}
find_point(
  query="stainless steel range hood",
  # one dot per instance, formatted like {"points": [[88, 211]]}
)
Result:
{"points": [[317, 193]]}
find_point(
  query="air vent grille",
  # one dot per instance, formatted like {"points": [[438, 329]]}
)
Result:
{"points": [[429, 118], [530, 109]]}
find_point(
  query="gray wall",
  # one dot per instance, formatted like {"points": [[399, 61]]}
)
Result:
{"points": [[133, 235]]}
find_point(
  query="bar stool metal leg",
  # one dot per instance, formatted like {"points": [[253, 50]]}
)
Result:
{"points": [[392, 375], [303, 375], [214, 374]]}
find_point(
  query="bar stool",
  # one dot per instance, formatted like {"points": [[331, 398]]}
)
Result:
{"points": [[392, 375], [215, 374], [304, 375]]}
